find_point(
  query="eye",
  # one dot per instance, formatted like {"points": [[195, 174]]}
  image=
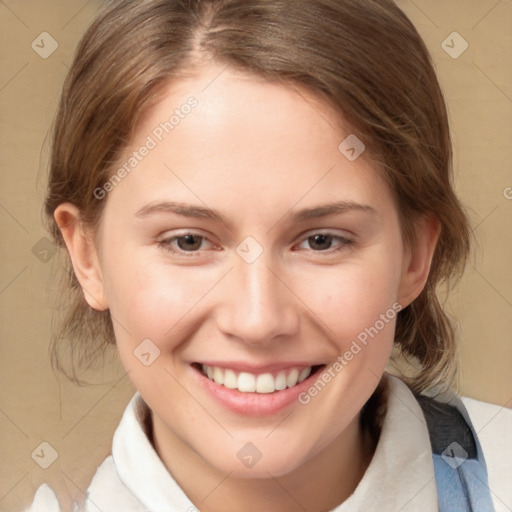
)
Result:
{"points": [[322, 242], [186, 243], [190, 244]]}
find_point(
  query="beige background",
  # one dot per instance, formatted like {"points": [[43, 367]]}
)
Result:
{"points": [[36, 406]]}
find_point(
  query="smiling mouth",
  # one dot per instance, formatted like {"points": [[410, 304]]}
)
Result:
{"points": [[263, 383]]}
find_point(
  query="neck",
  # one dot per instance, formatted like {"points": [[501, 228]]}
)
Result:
{"points": [[319, 484]]}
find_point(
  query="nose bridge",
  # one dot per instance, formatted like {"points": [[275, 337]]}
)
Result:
{"points": [[258, 306]]}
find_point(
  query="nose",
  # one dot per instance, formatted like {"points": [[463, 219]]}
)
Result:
{"points": [[258, 306]]}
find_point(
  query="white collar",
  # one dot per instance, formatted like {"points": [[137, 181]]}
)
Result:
{"points": [[399, 477], [140, 468], [401, 473]]}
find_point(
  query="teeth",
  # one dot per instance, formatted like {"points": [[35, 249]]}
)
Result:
{"points": [[292, 378], [304, 374], [281, 381], [246, 383], [263, 383], [218, 375], [230, 379]]}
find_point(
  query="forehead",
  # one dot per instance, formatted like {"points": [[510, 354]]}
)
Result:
{"points": [[227, 138]]}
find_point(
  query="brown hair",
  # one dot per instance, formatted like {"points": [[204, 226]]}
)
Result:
{"points": [[363, 57]]}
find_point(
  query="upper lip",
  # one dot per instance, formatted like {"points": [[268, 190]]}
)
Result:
{"points": [[242, 366]]}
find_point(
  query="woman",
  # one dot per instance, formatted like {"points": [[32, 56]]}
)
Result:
{"points": [[257, 204]]}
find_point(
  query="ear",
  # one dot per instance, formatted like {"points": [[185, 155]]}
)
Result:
{"points": [[418, 259], [83, 254]]}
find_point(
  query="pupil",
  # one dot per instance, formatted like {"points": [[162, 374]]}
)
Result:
{"points": [[189, 242], [323, 238]]}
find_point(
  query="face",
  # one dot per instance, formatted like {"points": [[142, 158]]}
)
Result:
{"points": [[252, 270]]}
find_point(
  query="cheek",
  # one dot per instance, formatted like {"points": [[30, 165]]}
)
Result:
{"points": [[153, 300], [353, 296]]}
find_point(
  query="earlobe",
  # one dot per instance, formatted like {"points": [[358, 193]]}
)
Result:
{"points": [[419, 259], [83, 254]]}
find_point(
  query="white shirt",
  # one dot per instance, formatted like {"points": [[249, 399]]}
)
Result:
{"points": [[400, 476]]}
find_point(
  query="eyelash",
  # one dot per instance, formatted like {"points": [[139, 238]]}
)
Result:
{"points": [[167, 243]]}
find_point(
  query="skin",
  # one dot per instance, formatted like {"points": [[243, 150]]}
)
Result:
{"points": [[257, 152]]}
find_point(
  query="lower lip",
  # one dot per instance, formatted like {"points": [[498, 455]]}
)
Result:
{"points": [[254, 404]]}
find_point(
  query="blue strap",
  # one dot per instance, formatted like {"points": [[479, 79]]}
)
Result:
{"points": [[459, 463]]}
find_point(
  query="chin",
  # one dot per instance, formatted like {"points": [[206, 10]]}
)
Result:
{"points": [[249, 462], [264, 470]]}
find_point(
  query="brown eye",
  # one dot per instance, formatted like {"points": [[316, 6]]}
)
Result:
{"points": [[189, 243], [323, 242], [320, 242]]}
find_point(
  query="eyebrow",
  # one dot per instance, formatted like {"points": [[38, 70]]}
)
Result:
{"points": [[315, 212]]}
